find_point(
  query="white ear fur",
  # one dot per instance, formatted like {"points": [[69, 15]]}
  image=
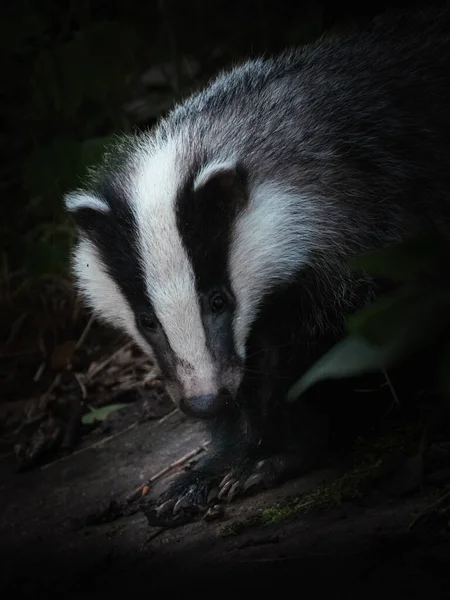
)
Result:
{"points": [[213, 170], [78, 200]]}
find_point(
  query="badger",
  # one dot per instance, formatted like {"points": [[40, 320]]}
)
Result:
{"points": [[220, 239]]}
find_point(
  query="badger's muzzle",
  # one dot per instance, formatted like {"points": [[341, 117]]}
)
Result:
{"points": [[205, 406]]}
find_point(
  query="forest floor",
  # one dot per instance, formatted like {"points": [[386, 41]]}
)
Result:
{"points": [[85, 425], [53, 540]]}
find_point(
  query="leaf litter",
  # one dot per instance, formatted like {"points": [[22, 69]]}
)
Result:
{"points": [[67, 380]]}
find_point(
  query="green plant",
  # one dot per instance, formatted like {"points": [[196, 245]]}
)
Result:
{"points": [[412, 319]]}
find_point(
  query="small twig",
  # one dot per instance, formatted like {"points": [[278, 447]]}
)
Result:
{"points": [[16, 327], [39, 371], [96, 370], [126, 387], [85, 332], [396, 401], [53, 384], [304, 505], [138, 492], [151, 380], [391, 388], [81, 384], [167, 417], [41, 344]]}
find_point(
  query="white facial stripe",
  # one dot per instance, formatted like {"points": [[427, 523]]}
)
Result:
{"points": [[102, 293], [78, 200], [211, 170], [271, 242], [168, 271]]}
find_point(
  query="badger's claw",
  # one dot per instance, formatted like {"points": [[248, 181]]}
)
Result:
{"points": [[213, 495], [224, 488], [186, 498], [183, 502], [253, 480], [228, 477], [165, 507], [248, 475]]}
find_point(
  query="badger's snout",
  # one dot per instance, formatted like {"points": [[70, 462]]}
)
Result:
{"points": [[205, 406]]}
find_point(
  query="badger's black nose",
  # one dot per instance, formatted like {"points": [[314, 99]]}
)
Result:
{"points": [[204, 406]]}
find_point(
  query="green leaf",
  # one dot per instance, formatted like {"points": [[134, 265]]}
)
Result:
{"points": [[100, 414], [351, 357], [375, 343], [401, 261], [377, 321]]}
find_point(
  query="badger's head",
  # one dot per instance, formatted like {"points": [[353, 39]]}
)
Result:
{"points": [[180, 257]]}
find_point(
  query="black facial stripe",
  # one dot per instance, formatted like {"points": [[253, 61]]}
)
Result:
{"points": [[166, 357], [114, 234], [205, 219]]}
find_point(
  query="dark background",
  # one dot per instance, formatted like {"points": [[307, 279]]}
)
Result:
{"points": [[73, 74]]}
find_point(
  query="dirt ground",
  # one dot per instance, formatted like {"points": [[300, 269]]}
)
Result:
{"points": [[47, 549]]}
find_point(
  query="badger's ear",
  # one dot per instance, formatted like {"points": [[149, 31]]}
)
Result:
{"points": [[226, 181], [87, 209], [81, 200], [224, 174]]}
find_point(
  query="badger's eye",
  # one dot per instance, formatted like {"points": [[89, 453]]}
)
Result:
{"points": [[217, 302], [147, 322]]}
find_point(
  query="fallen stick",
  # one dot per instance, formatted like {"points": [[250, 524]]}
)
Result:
{"points": [[84, 333], [159, 474]]}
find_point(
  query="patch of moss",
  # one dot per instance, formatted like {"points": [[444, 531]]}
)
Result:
{"points": [[370, 457]]}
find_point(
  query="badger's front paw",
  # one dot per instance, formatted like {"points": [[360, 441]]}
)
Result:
{"points": [[187, 497]]}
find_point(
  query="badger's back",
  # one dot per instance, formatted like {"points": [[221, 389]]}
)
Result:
{"points": [[359, 121]]}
